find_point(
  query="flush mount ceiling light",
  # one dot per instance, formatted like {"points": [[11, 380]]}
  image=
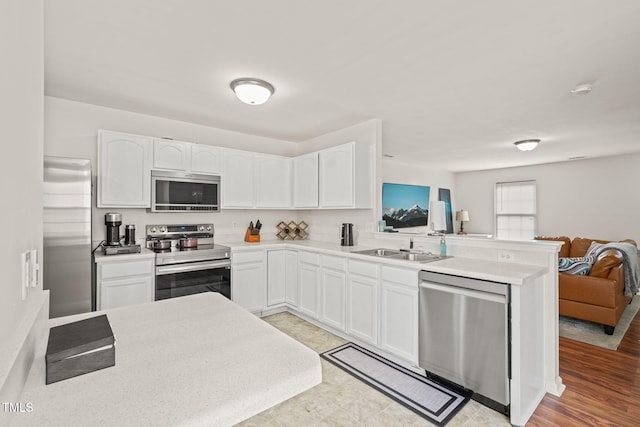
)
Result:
{"points": [[527, 144], [252, 91]]}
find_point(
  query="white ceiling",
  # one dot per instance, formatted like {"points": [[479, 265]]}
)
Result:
{"points": [[455, 83]]}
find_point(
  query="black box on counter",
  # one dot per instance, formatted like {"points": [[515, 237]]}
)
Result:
{"points": [[78, 348]]}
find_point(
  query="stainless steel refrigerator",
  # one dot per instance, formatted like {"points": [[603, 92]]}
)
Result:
{"points": [[66, 258]]}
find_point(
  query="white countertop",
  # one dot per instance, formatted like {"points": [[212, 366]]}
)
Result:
{"points": [[196, 360], [144, 253], [503, 272]]}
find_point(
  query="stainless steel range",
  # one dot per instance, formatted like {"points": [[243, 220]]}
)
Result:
{"points": [[188, 261]]}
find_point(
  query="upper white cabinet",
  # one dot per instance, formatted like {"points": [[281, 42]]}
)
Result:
{"points": [[206, 159], [272, 181], [237, 179], [124, 170], [305, 181], [345, 176], [185, 156]]}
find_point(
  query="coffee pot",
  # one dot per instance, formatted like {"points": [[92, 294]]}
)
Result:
{"points": [[346, 234], [113, 220]]}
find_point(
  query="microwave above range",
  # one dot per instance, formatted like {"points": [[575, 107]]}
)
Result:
{"points": [[184, 192]]}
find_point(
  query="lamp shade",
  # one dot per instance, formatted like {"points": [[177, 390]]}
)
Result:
{"points": [[437, 216], [462, 216], [252, 91]]}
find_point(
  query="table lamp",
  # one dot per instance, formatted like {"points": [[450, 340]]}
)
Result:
{"points": [[462, 216]]}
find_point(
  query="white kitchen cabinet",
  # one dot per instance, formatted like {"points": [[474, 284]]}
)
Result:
{"points": [[346, 176], [121, 283], [124, 170], [248, 280], [308, 283], [399, 312], [205, 159], [333, 292], [170, 154], [186, 157], [362, 301], [305, 181], [282, 277], [272, 181], [237, 179]]}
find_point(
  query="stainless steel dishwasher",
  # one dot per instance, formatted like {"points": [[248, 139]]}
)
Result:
{"points": [[464, 335]]}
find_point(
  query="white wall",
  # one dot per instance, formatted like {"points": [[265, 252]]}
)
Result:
{"points": [[21, 121], [596, 198], [71, 130]]}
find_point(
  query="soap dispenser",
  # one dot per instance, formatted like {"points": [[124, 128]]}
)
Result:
{"points": [[443, 246]]}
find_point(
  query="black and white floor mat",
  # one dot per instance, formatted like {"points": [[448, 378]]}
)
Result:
{"points": [[433, 401]]}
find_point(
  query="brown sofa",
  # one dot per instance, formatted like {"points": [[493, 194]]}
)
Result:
{"points": [[598, 297]]}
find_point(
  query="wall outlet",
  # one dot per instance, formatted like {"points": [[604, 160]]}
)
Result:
{"points": [[34, 267], [505, 256]]}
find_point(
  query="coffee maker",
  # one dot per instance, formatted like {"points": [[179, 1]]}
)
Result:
{"points": [[346, 234], [112, 245], [113, 221]]}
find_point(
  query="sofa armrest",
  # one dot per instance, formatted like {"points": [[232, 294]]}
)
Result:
{"points": [[588, 290]]}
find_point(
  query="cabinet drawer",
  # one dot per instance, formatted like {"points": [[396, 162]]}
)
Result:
{"points": [[400, 275], [112, 270], [247, 257], [362, 268], [309, 258], [334, 262]]}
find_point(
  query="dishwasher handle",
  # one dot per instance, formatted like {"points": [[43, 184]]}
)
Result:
{"points": [[485, 296]]}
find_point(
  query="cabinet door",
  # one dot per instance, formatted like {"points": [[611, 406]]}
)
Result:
{"points": [[291, 277], [124, 170], [273, 181], [336, 176], [308, 281], [399, 321], [248, 286], [333, 297], [237, 179], [206, 159], [362, 311], [168, 154], [305, 181], [127, 291], [276, 277]]}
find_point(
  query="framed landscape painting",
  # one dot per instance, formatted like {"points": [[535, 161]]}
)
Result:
{"points": [[405, 205]]}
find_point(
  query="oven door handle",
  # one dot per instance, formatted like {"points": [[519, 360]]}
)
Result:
{"points": [[183, 268]]}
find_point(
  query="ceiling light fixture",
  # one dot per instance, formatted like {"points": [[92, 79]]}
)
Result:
{"points": [[252, 91], [527, 144]]}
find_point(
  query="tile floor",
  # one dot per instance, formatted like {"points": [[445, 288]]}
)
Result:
{"points": [[342, 400]]}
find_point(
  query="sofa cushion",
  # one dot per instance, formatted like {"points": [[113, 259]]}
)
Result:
{"points": [[580, 266], [564, 250], [588, 290], [580, 246], [607, 259]]}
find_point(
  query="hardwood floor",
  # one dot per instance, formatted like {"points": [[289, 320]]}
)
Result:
{"points": [[602, 386]]}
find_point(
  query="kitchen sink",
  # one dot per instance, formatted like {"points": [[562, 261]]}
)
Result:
{"points": [[379, 252], [404, 255]]}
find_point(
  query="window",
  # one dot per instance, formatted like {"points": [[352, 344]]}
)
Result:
{"points": [[516, 210]]}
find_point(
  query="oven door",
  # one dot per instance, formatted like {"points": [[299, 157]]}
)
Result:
{"points": [[193, 278]]}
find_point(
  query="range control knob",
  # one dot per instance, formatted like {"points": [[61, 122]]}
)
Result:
{"points": [[201, 228], [153, 230], [163, 229], [208, 228]]}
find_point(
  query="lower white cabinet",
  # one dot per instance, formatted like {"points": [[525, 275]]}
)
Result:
{"points": [[362, 301], [248, 280], [308, 283], [121, 283], [282, 277], [399, 312], [333, 292]]}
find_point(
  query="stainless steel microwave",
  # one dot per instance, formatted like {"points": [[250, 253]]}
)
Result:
{"points": [[184, 192]]}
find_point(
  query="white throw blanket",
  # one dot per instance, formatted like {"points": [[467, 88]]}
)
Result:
{"points": [[631, 265]]}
